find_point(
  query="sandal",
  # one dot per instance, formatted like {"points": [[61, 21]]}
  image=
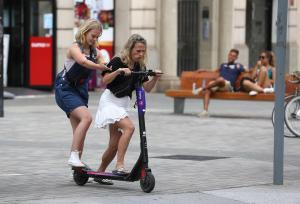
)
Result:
{"points": [[103, 181], [120, 172]]}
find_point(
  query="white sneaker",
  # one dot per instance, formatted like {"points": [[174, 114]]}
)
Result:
{"points": [[196, 91], [253, 93], [74, 159], [203, 114], [269, 90]]}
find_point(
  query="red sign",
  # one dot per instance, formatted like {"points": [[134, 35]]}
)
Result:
{"points": [[40, 71]]}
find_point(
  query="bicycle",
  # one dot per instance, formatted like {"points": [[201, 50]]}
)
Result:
{"points": [[291, 109], [287, 132]]}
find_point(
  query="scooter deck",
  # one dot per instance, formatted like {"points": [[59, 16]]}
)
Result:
{"points": [[106, 175], [95, 174]]}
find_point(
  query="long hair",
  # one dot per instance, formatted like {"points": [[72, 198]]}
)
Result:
{"points": [[126, 51], [271, 57], [86, 27]]}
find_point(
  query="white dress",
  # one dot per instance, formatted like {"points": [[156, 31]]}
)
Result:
{"points": [[111, 109]]}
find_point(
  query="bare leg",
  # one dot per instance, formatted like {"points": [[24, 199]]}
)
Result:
{"points": [[206, 99], [112, 149], [250, 86], [262, 77], [220, 82], [81, 120], [74, 123], [128, 128]]}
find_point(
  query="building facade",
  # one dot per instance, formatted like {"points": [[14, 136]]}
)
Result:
{"points": [[192, 34], [181, 34]]}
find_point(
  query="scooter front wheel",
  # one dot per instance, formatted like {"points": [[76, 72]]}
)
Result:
{"points": [[80, 177], [148, 182]]}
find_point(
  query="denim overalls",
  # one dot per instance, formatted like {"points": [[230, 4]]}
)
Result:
{"points": [[71, 87]]}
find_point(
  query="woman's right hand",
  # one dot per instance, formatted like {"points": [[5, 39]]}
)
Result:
{"points": [[258, 63], [125, 71]]}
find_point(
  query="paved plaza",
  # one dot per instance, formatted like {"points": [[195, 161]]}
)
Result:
{"points": [[226, 158]]}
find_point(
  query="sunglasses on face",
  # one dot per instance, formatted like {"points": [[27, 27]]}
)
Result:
{"points": [[262, 57]]}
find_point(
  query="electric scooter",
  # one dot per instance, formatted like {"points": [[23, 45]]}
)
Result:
{"points": [[141, 170]]}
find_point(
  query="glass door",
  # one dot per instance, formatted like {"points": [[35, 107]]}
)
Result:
{"points": [[258, 26], [13, 21]]}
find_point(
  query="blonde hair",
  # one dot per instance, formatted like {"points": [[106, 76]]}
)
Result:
{"points": [[126, 51], [88, 25], [271, 57]]}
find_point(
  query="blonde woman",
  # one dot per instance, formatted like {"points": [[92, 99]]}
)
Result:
{"points": [[71, 84], [115, 100], [263, 75]]}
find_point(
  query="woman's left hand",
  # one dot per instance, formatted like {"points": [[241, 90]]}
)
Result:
{"points": [[158, 73], [103, 67]]}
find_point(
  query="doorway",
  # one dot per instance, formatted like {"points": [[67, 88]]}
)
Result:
{"points": [[188, 35], [13, 21], [23, 19], [259, 28]]}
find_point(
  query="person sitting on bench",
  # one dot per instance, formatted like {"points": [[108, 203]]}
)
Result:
{"points": [[263, 76], [228, 74]]}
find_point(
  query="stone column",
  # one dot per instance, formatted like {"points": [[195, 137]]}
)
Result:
{"points": [[122, 23], [232, 31], [1, 61], [65, 25], [225, 29], [239, 30], [297, 66], [168, 44], [209, 25], [215, 34], [144, 21], [293, 41]]}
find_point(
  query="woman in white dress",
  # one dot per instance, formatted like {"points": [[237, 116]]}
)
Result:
{"points": [[113, 104]]}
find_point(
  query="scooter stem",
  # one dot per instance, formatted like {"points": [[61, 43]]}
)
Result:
{"points": [[141, 103]]}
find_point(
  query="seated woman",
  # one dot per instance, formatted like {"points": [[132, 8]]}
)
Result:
{"points": [[262, 79]]}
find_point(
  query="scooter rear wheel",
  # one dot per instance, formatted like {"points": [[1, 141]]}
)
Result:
{"points": [[80, 177], [148, 182]]}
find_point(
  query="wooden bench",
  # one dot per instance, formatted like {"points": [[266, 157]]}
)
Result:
{"points": [[189, 77]]}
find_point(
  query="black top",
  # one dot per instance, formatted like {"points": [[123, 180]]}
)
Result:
{"points": [[122, 85]]}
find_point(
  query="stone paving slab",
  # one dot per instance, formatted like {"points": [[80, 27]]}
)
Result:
{"points": [[264, 194], [35, 138], [191, 198]]}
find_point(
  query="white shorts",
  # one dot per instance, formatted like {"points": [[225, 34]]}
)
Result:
{"points": [[111, 109], [227, 87]]}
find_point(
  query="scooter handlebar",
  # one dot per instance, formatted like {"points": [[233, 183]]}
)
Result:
{"points": [[142, 73], [122, 73], [146, 73]]}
